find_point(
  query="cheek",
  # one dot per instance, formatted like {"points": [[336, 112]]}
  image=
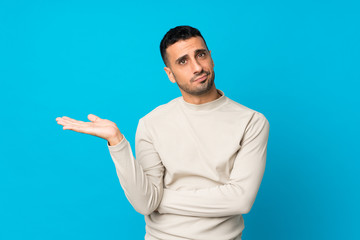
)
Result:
{"points": [[209, 64], [182, 75], [212, 63]]}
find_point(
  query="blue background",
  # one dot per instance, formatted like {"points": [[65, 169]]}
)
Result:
{"points": [[297, 62]]}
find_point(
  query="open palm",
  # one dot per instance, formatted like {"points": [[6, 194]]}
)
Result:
{"points": [[98, 127]]}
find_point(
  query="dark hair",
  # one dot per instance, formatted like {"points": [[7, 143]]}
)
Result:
{"points": [[176, 34]]}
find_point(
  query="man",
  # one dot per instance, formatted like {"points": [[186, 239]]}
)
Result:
{"points": [[200, 157]]}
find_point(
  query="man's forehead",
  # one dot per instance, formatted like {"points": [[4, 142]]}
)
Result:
{"points": [[183, 47]]}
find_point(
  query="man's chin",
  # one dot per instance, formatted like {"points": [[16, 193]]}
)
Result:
{"points": [[198, 88], [202, 90]]}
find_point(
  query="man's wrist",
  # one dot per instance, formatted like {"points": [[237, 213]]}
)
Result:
{"points": [[116, 139]]}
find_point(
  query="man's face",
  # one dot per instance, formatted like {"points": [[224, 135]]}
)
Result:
{"points": [[190, 65]]}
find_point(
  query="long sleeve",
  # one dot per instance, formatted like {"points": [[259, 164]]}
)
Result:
{"points": [[141, 179], [238, 194]]}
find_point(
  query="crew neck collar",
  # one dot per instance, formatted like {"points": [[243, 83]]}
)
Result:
{"points": [[205, 106]]}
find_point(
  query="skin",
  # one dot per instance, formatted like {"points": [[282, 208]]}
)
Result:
{"points": [[189, 65], [98, 127], [187, 61]]}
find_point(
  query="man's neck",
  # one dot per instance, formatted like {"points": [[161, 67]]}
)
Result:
{"points": [[212, 95]]}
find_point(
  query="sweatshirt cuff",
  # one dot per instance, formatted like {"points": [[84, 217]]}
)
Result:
{"points": [[118, 146]]}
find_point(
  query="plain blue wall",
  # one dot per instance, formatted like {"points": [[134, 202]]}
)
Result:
{"points": [[297, 62]]}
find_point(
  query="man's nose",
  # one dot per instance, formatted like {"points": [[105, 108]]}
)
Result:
{"points": [[196, 67]]}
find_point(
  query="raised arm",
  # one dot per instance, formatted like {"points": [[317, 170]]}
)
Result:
{"points": [[141, 179], [236, 196]]}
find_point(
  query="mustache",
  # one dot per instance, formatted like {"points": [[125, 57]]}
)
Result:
{"points": [[199, 74]]}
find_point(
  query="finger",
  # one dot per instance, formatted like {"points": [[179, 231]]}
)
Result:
{"points": [[93, 117], [71, 127], [84, 127], [75, 128], [69, 121], [72, 120], [64, 121], [67, 118], [61, 121]]}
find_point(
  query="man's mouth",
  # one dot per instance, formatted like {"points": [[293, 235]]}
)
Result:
{"points": [[201, 78]]}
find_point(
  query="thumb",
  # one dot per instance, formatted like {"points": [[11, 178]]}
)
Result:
{"points": [[93, 118]]}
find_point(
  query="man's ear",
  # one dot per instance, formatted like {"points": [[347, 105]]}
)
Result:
{"points": [[169, 74]]}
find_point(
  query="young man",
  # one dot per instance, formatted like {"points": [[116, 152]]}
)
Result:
{"points": [[200, 158]]}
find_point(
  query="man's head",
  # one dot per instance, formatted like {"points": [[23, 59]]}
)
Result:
{"points": [[176, 34], [188, 60]]}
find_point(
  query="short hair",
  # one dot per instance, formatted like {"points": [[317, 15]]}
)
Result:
{"points": [[175, 34]]}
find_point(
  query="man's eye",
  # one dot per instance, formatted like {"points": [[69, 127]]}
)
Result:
{"points": [[182, 61], [201, 54]]}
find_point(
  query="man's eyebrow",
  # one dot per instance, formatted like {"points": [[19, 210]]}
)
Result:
{"points": [[197, 51], [181, 58], [200, 50]]}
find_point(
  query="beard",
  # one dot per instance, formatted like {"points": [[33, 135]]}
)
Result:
{"points": [[201, 88]]}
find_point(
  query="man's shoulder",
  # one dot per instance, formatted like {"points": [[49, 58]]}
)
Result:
{"points": [[162, 110], [243, 110], [238, 107]]}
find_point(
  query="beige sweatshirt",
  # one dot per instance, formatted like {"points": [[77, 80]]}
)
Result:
{"points": [[198, 168]]}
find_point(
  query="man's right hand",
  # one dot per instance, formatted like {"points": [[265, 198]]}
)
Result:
{"points": [[98, 127]]}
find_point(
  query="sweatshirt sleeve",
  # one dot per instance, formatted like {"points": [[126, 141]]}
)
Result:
{"points": [[236, 196], [141, 179]]}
